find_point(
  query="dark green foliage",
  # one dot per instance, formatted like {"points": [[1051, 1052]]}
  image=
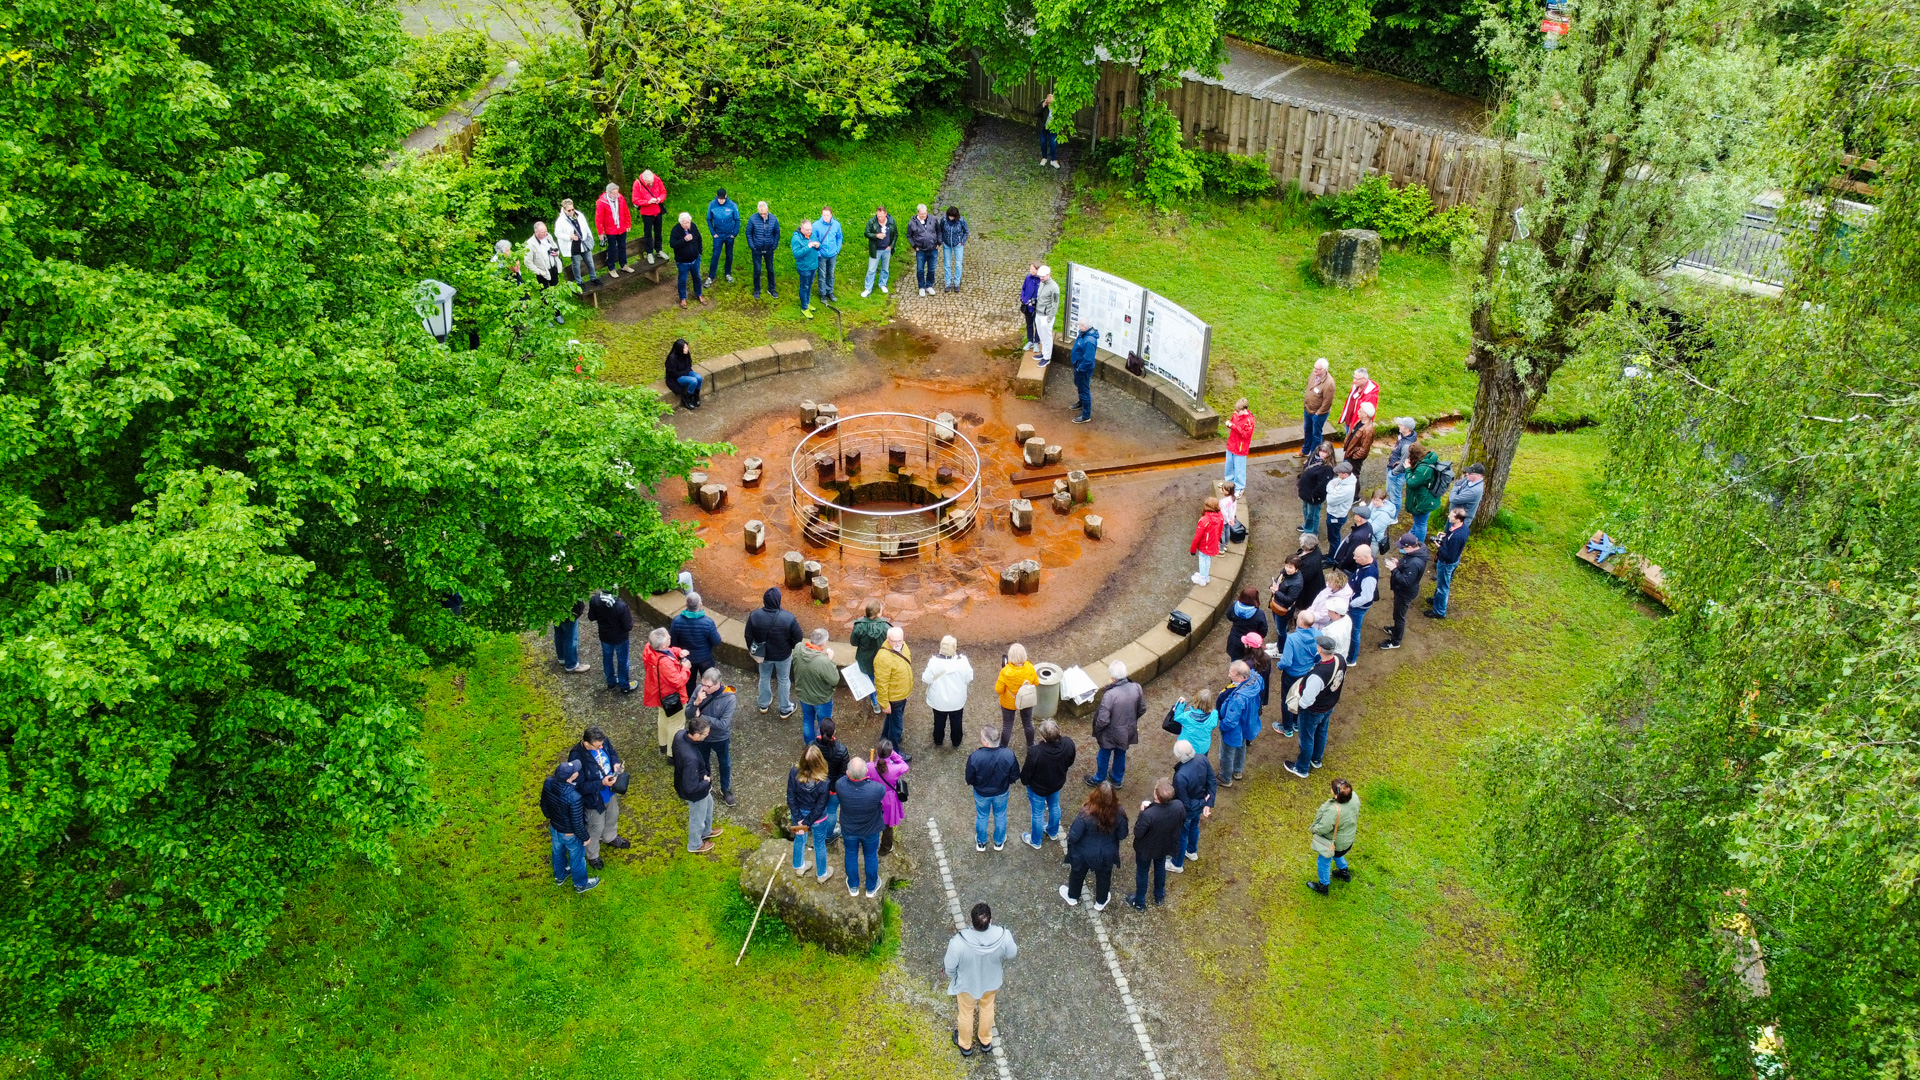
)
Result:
{"points": [[443, 66], [1399, 214], [1235, 176]]}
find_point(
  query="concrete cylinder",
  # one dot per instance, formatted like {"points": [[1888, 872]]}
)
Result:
{"points": [[795, 566], [1047, 694]]}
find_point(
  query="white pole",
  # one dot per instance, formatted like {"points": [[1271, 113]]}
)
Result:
{"points": [[764, 893]]}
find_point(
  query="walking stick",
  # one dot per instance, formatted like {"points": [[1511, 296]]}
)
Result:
{"points": [[764, 893]]}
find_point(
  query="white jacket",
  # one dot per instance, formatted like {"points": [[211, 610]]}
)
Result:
{"points": [[563, 228], [946, 680], [541, 255]]}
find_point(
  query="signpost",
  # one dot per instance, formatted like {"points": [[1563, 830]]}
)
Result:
{"points": [[1171, 341], [1109, 304], [1175, 345]]}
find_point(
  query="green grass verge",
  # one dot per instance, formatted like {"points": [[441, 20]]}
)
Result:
{"points": [[471, 963]]}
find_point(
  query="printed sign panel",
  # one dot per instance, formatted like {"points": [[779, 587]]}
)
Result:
{"points": [[1107, 303], [1174, 345]]}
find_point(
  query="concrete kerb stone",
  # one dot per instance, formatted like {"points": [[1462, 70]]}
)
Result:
{"points": [[760, 361], [1198, 421], [732, 650]]}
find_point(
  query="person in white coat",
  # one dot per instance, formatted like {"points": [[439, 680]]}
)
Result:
{"points": [[542, 257], [947, 677], [1046, 304], [575, 237]]}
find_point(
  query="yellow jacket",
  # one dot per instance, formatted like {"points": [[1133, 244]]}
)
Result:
{"points": [[1012, 678], [893, 674]]}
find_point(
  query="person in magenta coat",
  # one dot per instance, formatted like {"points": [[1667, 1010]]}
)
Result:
{"points": [[888, 768], [1206, 540]]}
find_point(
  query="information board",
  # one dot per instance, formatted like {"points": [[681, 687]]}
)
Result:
{"points": [[1175, 344], [1109, 304]]}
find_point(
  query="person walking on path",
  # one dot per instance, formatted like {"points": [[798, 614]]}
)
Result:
{"points": [[723, 225], [1206, 539], [807, 813], [1364, 391], [1446, 559], [1469, 490], [1085, 357], [612, 219], [695, 631], [1015, 676], [614, 620], [1093, 844], [1365, 583], [575, 238], [667, 672], [869, 634], [1316, 403], [772, 635], [687, 246], [1049, 142], [566, 824], [600, 770], [714, 702], [566, 640], [880, 237], [1398, 464], [1156, 836], [1029, 292], [893, 684], [1404, 574], [1422, 499], [1044, 773], [923, 235], [1312, 485], [1116, 725], [831, 238], [650, 204], [888, 767], [1245, 617], [763, 239], [806, 263], [1239, 721], [685, 381], [976, 970], [1319, 693], [1239, 443], [991, 771], [694, 785], [862, 818], [1297, 656], [1194, 786], [947, 677], [953, 245], [1359, 441], [1334, 826], [837, 757], [1046, 304], [815, 679]]}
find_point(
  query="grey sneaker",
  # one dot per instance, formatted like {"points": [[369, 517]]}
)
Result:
{"points": [[592, 883]]}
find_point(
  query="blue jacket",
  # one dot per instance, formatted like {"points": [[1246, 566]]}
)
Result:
{"points": [[991, 772], [593, 793], [723, 220], [1083, 349], [560, 805], [1452, 544], [806, 803], [1196, 726], [830, 237], [860, 813], [695, 632], [1240, 715], [1193, 785], [806, 257], [953, 233], [1299, 654], [763, 234]]}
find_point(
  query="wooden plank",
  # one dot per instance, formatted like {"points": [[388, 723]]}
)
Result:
{"points": [[1295, 149]]}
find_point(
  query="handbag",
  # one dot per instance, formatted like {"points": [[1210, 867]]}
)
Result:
{"points": [[900, 790], [671, 704], [1170, 725], [1293, 695], [1179, 623], [1026, 697], [1236, 533], [620, 782]]}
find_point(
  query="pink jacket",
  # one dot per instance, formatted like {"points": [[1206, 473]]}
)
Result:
{"points": [[1206, 534], [649, 201], [890, 771], [612, 220]]}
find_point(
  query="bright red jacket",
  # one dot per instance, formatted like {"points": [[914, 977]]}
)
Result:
{"points": [[1239, 431], [1206, 534], [1369, 393], [649, 200], [666, 673], [605, 215]]}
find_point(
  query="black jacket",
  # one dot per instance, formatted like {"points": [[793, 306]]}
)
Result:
{"points": [[613, 618], [560, 805], [1157, 831], [685, 242], [1256, 623], [679, 363], [837, 757], [690, 779], [1194, 784], [806, 803], [1287, 598], [1406, 576], [992, 771], [1313, 578], [860, 813], [1089, 848], [699, 635], [593, 793], [773, 626], [1313, 482], [1045, 771], [1343, 555]]}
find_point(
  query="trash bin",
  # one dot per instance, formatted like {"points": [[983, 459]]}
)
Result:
{"points": [[1047, 695]]}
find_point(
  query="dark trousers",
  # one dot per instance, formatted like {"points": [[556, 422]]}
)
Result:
{"points": [[1083, 383], [1315, 425], [1289, 720], [616, 251], [763, 258], [1401, 602], [650, 234], [925, 265], [1033, 332], [713, 261], [1049, 144], [724, 751], [1141, 869], [1006, 725], [894, 727], [1102, 883], [944, 719], [689, 270]]}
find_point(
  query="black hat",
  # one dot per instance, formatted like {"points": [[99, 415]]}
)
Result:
{"points": [[721, 194], [1408, 541], [565, 770]]}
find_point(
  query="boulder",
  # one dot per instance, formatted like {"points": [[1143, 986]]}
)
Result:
{"points": [[1051, 455], [1095, 528], [795, 566], [1348, 258], [756, 537], [1035, 452], [822, 914], [1020, 515]]}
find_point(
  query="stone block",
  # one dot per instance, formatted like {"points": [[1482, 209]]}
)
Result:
{"points": [[1347, 258], [826, 413], [813, 569], [713, 496], [695, 481], [1077, 484], [1051, 455], [1034, 451], [822, 914], [750, 478], [896, 456], [794, 565], [824, 471], [960, 522], [794, 355], [1020, 515], [850, 461], [1030, 381], [1029, 576], [944, 427], [944, 475], [759, 362], [821, 595], [756, 537], [724, 371], [809, 411], [1010, 581], [1166, 645], [1023, 432], [1095, 528], [1062, 502]]}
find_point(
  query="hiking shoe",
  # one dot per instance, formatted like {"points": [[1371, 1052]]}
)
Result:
{"points": [[597, 864], [1343, 875], [1071, 902], [592, 883], [620, 843], [1319, 888], [822, 879], [1289, 767], [727, 797], [702, 849]]}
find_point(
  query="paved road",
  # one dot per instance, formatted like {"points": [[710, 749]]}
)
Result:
{"points": [[1264, 73]]}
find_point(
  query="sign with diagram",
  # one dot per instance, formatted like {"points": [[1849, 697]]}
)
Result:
{"points": [[1175, 345], [1109, 304]]}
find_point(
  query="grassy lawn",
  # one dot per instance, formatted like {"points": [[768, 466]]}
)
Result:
{"points": [[898, 170], [1414, 970], [471, 963]]}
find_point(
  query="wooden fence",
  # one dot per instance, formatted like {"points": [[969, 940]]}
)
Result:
{"points": [[1318, 149]]}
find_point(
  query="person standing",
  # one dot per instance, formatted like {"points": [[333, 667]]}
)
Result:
{"points": [[861, 820], [1404, 574], [1044, 773], [807, 813], [1360, 536], [1380, 517], [1093, 844], [681, 377], [837, 757], [570, 231], [1313, 573], [893, 684], [600, 770], [815, 679], [1046, 304], [953, 245], [1312, 487], [566, 639], [1364, 391], [1335, 825], [614, 620], [1446, 559], [1365, 583], [923, 235], [667, 673], [612, 218], [1283, 594], [687, 246], [1049, 142], [650, 202], [991, 771], [1116, 726], [869, 634], [1359, 441], [1297, 656], [772, 634], [806, 263], [1341, 491], [888, 767], [1239, 721], [1197, 719], [947, 677], [1084, 356], [1156, 836], [714, 703], [694, 785], [696, 632], [1262, 666], [1398, 464], [1194, 786], [880, 237], [1422, 499], [1029, 290], [723, 226], [566, 824], [1015, 676], [1206, 539], [1469, 490], [1316, 404], [1245, 617], [542, 258], [1319, 693], [976, 964], [831, 238], [763, 239], [1239, 443]]}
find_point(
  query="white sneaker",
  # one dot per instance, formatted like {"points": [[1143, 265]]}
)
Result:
{"points": [[883, 290], [997, 847], [1028, 840], [612, 273], [979, 847], [649, 258], [1101, 905], [1193, 856], [853, 890], [871, 893], [1196, 578], [1043, 163], [864, 293], [729, 279], [1071, 902], [1055, 164], [1175, 869]]}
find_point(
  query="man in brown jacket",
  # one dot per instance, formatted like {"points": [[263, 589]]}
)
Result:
{"points": [[1318, 402], [1359, 441]]}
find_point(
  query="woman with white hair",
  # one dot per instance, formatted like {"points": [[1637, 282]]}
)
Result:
{"points": [[1018, 686], [687, 246], [948, 675], [612, 217], [542, 257], [666, 670]]}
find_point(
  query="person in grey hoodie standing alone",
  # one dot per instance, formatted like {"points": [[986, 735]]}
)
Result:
{"points": [[976, 969]]}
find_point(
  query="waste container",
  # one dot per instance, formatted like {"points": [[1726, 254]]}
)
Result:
{"points": [[1047, 695]]}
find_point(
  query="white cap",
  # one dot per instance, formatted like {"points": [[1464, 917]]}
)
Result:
{"points": [[1045, 270]]}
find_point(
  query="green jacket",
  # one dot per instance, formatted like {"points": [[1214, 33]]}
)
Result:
{"points": [[868, 636], [1334, 826], [1420, 501], [814, 675]]}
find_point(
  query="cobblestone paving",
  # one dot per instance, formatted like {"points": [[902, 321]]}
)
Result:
{"points": [[1013, 208]]}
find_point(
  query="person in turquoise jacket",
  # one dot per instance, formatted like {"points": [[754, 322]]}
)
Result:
{"points": [[806, 260], [827, 231], [1297, 657], [1197, 723]]}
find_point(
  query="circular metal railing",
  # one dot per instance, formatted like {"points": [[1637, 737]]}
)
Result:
{"points": [[852, 459]]}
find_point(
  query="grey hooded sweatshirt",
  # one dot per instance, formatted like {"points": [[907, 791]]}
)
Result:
{"points": [[975, 959]]}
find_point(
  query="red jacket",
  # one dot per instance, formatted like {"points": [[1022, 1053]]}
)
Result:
{"points": [[1206, 534], [604, 215], [1239, 432], [1369, 393], [666, 673], [649, 201]]}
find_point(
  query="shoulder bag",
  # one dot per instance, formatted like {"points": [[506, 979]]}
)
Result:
{"points": [[1170, 725], [1027, 696]]}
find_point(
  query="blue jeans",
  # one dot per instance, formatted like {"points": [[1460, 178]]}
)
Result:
{"points": [[924, 267], [720, 243], [616, 250], [763, 258], [566, 643], [1118, 759], [785, 670], [1442, 584], [810, 717], [1419, 528], [724, 750], [1334, 525], [870, 844], [1189, 837], [1083, 385], [880, 262], [956, 255], [581, 266], [1141, 867], [806, 287], [995, 808], [1315, 425], [1310, 522], [1313, 739], [689, 384], [826, 276], [1326, 865], [894, 727], [833, 815], [1359, 616], [1049, 144], [818, 837], [1237, 471], [689, 270], [568, 852], [1233, 760], [611, 655], [1046, 809], [1396, 491]]}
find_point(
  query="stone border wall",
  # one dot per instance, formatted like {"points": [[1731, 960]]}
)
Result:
{"points": [[758, 362], [1197, 419]]}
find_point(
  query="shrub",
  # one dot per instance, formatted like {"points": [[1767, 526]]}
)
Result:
{"points": [[445, 65], [1399, 214], [1235, 176]]}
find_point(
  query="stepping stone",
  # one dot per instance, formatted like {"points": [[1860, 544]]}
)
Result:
{"points": [[896, 456], [851, 462], [756, 537], [826, 413], [713, 496], [823, 469], [795, 566], [1095, 528], [1035, 451], [1052, 455], [943, 427], [1022, 433], [1020, 515], [820, 593], [809, 412], [695, 481], [1077, 484]]}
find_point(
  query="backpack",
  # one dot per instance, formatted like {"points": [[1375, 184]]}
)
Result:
{"points": [[1442, 481]]}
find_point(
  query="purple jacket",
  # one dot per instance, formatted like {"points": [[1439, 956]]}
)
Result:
{"points": [[1029, 290], [890, 771]]}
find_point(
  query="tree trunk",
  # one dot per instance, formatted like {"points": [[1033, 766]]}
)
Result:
{"points": [[1501, 407], [610, 139]]}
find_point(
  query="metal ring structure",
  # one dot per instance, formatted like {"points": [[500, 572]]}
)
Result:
{"points": [[824, 515]]}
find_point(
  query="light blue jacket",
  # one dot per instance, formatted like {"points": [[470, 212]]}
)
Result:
{"points": [[1300, 653], [806, 257], [1197, 727], [830, 237]]}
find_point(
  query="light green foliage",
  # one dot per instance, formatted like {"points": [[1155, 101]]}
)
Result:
{"points": [[1334, 25], [1400, 214], [444, 65]]}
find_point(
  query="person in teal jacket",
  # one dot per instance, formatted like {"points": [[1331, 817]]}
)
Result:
{"points": [[1196, 722], [723, 224], [827, 231], [806, 260]]}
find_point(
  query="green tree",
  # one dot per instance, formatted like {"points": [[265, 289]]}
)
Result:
{"points": [[240, 488]]}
